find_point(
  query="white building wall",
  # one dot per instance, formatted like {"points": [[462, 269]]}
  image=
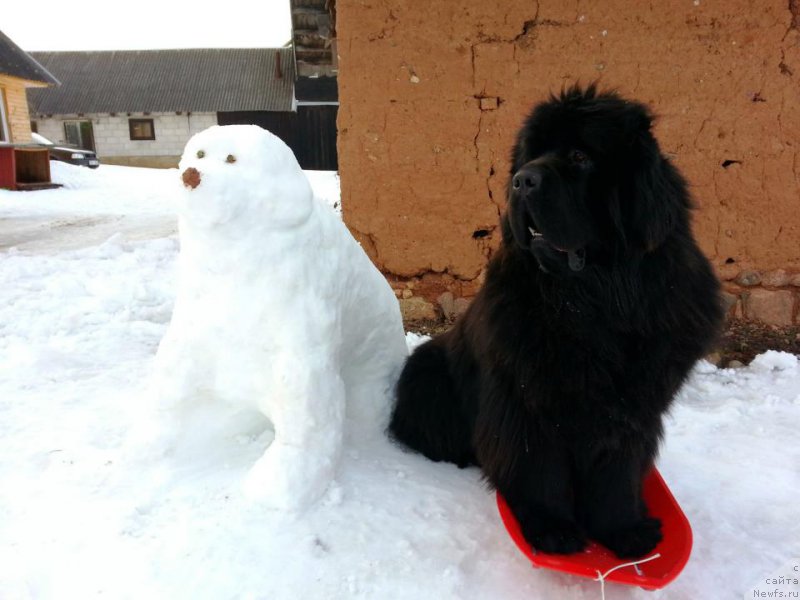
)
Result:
{"points": [[52, 129], [112, 133]]}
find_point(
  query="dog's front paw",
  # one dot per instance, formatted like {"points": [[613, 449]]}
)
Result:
{"points": [[633, 541], [555, 536]]}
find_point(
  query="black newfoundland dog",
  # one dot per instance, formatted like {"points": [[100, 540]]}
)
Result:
{"points": [[594, 310]]}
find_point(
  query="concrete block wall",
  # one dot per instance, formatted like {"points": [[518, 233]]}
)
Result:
{"points": [[52, 129], [112, 136]]}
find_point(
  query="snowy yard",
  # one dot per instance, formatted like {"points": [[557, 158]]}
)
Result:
{"points": [[86, 292]]}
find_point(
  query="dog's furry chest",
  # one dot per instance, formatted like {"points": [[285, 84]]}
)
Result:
{"points": [[564, 368]]}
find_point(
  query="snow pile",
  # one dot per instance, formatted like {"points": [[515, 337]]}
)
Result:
{"points": [[280, 312], [73, 177], [95, 204], [108, 189], [78, 333]]}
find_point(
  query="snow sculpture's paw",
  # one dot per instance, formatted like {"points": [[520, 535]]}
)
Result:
{"points": [[634, 541], [168, 403], [150, 439], [288, 478]]}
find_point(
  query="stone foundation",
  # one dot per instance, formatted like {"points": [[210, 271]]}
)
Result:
{"points": [[771, 297], [433, 296], [152, 162]]}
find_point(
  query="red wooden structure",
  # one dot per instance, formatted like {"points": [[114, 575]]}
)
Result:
{"points": [[25, 167]]}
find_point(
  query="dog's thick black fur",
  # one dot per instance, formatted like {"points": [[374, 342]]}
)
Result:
{"points": [[594, 310]]}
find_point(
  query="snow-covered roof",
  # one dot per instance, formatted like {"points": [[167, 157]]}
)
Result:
{"points": [[16, 62], [199, 80]]}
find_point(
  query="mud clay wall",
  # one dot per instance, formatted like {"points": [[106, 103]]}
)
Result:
{"points": [[432, 94]]}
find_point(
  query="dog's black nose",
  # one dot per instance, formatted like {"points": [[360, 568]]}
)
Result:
{"points": [[526, 180]]}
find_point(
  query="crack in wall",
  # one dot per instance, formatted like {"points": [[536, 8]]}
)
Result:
{"points": [[705, 122], [385, 32], [783, 67], [368, 242], [527, 31], [474, 70], [718, 238], [794, 24], [527, 28], [526, 35], [483, 241]]}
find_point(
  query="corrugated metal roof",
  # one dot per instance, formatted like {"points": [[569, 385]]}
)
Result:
{"points": [[199, 80], [16, 62]]}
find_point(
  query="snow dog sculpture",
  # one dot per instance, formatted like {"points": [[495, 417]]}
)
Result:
{"points": [[278, 309]]}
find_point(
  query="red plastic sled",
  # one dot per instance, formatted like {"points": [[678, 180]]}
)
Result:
{"points": [[674, 549]]}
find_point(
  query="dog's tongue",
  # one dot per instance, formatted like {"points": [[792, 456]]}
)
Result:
{"points": [[576, 259]]}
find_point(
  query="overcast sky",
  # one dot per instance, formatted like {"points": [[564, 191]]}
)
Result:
{"points": [[146, 24]]}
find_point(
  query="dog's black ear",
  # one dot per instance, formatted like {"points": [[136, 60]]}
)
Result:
{"points": [[656, 198]]}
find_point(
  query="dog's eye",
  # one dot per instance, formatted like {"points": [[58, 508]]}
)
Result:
{"points": [[200, 154], [577, 157], [231, 158]]}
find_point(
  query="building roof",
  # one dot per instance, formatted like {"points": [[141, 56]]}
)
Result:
{"points": [[16, 62], [198, 80]]}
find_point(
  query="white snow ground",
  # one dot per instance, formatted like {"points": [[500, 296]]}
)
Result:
{"points": [[86, 292]]}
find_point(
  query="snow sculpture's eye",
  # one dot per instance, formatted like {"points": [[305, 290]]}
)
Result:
{"points": [[200, 154], [231, 158]]}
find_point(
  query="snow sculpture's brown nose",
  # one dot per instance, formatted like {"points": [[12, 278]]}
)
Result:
{"points": [[191, 177]]}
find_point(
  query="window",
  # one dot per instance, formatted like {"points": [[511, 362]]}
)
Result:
{"points": [[79, 134], [4, 133], [142, 129]]}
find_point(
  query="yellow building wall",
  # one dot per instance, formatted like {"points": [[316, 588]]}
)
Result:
{"points": [[19, 120]]}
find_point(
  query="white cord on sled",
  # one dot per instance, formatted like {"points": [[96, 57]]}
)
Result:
{"points": [[601, 577]]}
